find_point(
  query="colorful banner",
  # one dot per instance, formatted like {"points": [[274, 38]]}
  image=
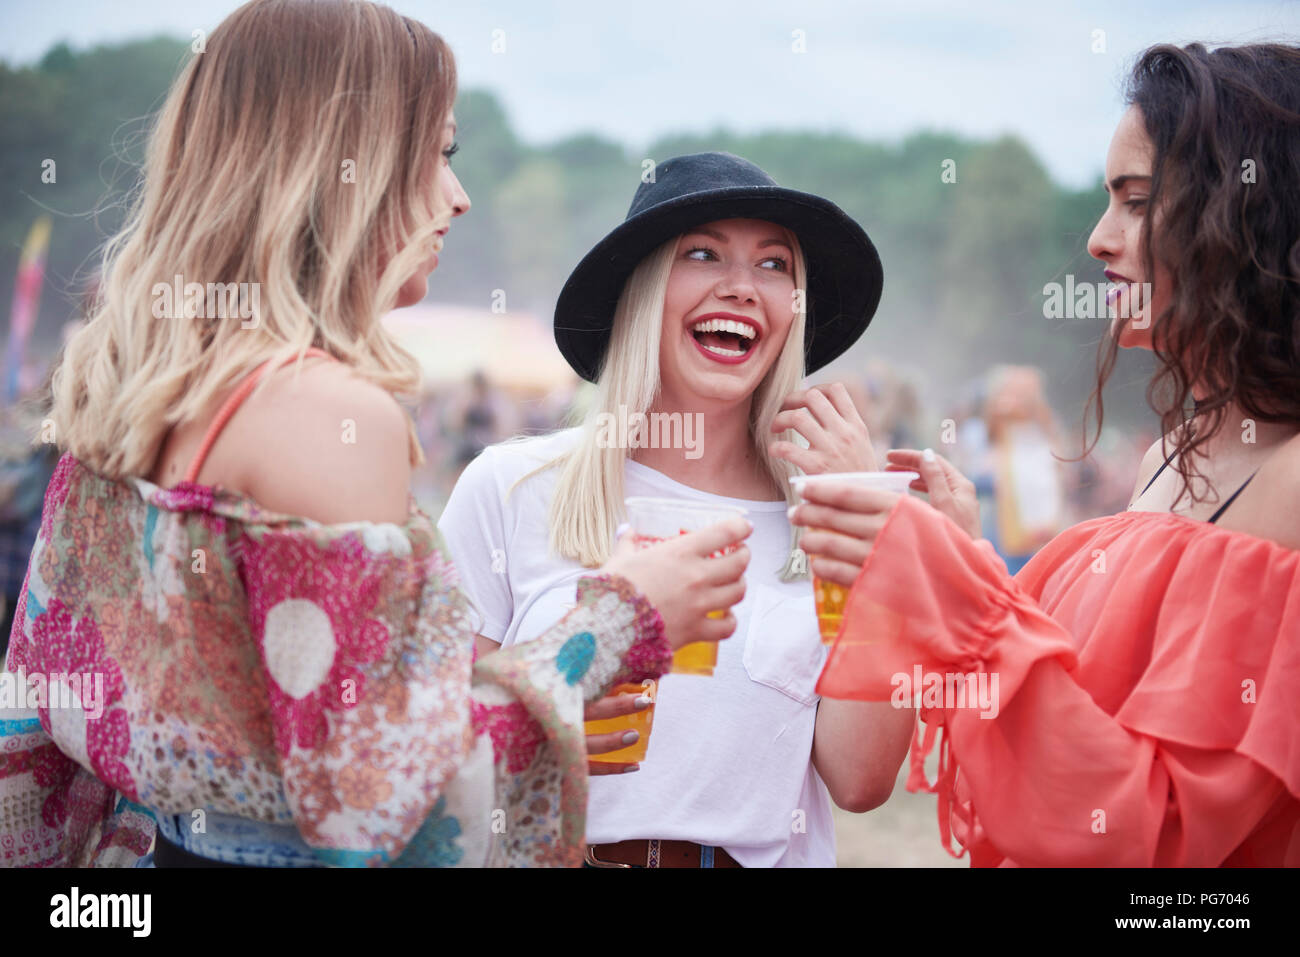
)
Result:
{"points": [[27, 299]]}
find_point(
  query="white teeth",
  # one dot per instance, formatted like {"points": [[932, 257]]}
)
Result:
{"points": [[725, 325], [721, 351]]}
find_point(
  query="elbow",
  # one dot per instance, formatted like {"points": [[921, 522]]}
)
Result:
{"points": [[866, 796]]}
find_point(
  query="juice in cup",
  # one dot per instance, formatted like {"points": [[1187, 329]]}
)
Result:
{"points": [[636, 721], [829, 597], [658, 519]]}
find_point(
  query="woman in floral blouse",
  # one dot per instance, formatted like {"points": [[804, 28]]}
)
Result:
{"points": [[236, 622]]}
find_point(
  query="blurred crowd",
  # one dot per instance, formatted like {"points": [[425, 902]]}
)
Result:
{"points": [[26, 465]]}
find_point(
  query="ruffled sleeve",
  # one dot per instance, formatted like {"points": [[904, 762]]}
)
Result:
{"points": [[1098, 715], [366, 664], [387, 756], [529, 699]]}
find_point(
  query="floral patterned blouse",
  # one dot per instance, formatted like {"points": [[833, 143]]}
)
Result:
{"points": [[179, 653]]}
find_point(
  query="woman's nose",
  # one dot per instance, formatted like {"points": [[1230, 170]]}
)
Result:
{"points": [[459, 198], [1106, 241], [736, 284]]}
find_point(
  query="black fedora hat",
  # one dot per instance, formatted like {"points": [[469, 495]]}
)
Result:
{"points": [[844, 274]]}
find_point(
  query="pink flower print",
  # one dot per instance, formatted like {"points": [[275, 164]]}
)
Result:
{"points": [[61, 645], [189, 497], [516, 735], [51, 768], [310, 606]]}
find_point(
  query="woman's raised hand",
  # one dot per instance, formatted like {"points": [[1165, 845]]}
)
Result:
{"points": [[838, 440], [950, 492], [684, 583]]}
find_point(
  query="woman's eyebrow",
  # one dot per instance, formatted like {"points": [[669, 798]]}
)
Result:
{"points": [[714, 234], [705, 231], [1119, 181]]}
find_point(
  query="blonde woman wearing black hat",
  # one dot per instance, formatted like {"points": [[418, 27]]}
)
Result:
{"points": [[708, 303]]}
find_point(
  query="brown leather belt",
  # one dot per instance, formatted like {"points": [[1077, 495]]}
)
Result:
{"points": [[658, 854]]}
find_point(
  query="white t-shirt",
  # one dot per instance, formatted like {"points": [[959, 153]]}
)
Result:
{"points": [[730, 757]]}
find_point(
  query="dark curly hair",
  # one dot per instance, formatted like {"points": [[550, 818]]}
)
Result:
{"points": [[1223, 219]]}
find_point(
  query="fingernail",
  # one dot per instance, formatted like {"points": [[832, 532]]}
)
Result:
{"points": [[642, 703], [618, 532], [928, 455], [631, 737], [789, 512]]}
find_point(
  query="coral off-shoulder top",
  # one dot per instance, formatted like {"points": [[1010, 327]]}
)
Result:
{"points": [[1141, 688]]}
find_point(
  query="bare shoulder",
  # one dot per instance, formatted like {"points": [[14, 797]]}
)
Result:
{"points": [[1151, 461], [324, 444], [1272, 508]]}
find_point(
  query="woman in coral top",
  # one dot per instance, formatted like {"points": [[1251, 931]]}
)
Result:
{"points": [[1141, 674]]}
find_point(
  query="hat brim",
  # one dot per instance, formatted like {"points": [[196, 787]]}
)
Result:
{"points": [[844, 273]]}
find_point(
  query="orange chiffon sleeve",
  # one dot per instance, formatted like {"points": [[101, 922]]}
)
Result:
{"points": [[1149, 719]]}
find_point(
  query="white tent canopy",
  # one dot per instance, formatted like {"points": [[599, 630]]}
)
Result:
{"points": [[514, 349]]}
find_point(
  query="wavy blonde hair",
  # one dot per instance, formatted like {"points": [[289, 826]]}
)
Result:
{"points": [[588, 500], [246, 180]]}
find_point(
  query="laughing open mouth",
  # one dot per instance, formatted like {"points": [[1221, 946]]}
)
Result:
{"points": [[727, 338]]}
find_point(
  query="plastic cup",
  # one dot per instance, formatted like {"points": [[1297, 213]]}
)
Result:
{"points": [[829, 597], [655, 520], [639, 721]]}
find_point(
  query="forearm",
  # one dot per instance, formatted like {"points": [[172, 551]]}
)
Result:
{"points": [[858, 748]]}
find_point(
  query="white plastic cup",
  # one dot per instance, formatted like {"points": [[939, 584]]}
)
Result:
{"points": [[655, 520], [830, 597]]}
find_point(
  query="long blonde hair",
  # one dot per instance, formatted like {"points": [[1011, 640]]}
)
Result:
{"points": [[588, 500], [293, 153]]}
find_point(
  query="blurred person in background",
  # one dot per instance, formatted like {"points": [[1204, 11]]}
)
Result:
{"points": [[482, 421], [1027, 480]]}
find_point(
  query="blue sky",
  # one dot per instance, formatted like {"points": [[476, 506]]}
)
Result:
{"points": [[634, 71]]}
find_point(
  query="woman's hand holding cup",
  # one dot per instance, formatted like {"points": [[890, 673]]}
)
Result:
{"points": [[841, 520], [684, 582], [693, 592]]}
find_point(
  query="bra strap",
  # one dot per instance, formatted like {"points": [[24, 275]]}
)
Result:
{"points": [[1163, 465], [1232, 498], [231, 404]]}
